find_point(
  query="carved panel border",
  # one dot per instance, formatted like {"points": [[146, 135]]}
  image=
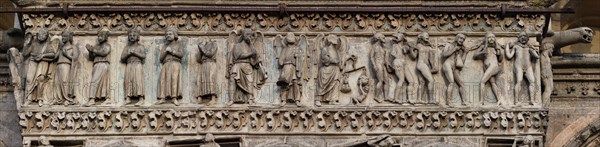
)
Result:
{"points": [[281, 121], [293, 22]]}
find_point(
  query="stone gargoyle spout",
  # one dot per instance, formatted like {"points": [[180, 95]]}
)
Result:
{"points": [[551, 44]]}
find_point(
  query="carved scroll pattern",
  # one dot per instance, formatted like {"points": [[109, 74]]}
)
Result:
{"points": [[312, 22], [287, 121]]}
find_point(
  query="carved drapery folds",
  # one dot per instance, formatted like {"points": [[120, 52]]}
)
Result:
{"points": [[399, 64], [235, 73]]}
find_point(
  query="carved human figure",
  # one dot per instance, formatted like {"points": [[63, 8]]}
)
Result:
{"points": [[64, 82], [291, 61], [170, 73], [401, 70], [209, 140], [15, 63], [46, 56], [245, 70], [100, 83], [330, 61], [524, 55], [551, 43], [207, 80], [455, 55], [34, 47], [379, 60], [133, 56], [490, 52], [422, 53]]}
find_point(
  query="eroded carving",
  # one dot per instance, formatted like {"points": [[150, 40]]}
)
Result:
{"points": [[524, 55], [455, 56], [66, 70], [292, 60], [170, 83], [134, 55], [332, 52], [490, 52], [244, 64], [207, 79], [100, 83]]}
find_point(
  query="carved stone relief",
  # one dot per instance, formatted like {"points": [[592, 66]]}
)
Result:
{"points": [[240, 74], [100, 80]]}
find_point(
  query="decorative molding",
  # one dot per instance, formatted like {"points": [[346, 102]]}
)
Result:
{"points": [[284, 121], [311, 22]]}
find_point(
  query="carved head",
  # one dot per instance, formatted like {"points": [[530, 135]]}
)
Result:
{"points": [[67, 36], [399, 37], [378, 37], [460, 39], [44, 141], [528, 140], [42, 34], [133, 35], [247, 35], [209, 138], [171, 34], [490, 39], [103, 35], [290, 38], [523, 38], [587, 34], [423, 38], [332, 39]]}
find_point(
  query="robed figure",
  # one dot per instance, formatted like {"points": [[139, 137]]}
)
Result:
{"points": [[244, 65]]}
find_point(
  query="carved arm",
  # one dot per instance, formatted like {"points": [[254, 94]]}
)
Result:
{"points": [[509, 53]]}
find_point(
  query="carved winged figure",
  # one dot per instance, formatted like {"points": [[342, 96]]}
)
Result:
{"points": [[246, 73], [292, 60], [332, 50]]}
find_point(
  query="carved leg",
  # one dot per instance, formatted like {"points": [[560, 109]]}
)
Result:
{"points": [[482, 92], [399, 91], [411, 88], [496, 91], [531, 85], [449, 93], [519, 79], [548, 88], [461, 86], [486, 77]]}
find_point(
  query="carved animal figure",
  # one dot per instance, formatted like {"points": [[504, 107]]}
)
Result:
{"points": [[551, 44]]}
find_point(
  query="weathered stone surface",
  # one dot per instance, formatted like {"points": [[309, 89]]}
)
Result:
{"points": [[361, 79]]}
